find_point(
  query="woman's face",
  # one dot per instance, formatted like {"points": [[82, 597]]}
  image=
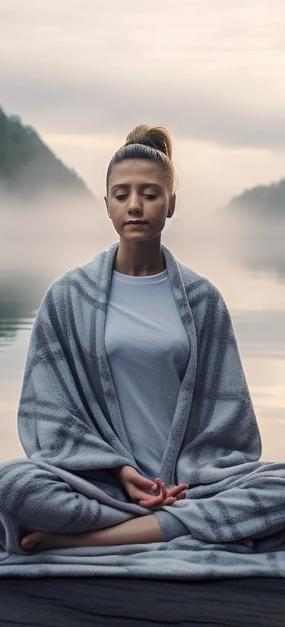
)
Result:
{"points": [[139, 190]]}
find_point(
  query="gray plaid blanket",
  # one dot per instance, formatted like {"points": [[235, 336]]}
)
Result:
{"points": [[73, 434]]}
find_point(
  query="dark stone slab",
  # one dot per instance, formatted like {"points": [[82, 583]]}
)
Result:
{"points": [[118, 602]]}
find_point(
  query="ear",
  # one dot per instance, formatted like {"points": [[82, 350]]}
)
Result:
{"points": [[171, 207], [106, 203]]}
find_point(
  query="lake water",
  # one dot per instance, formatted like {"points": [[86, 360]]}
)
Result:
{"points": [[243, 258]]}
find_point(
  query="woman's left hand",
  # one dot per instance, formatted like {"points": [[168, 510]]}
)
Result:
{"points": [[149, 493]]}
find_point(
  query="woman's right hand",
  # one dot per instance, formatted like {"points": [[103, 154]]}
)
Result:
{"points": [[149, 493]]}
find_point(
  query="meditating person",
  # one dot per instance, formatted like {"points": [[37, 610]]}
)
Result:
{"points": [[135, 413]]}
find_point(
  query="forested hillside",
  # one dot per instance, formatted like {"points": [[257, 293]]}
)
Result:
{"points": [[28, 168], [263, 200]]}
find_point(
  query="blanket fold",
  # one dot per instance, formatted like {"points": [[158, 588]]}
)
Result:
{"points": [[72, 431]]}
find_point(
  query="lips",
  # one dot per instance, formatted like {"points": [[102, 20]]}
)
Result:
{"points": [[136, 222]]}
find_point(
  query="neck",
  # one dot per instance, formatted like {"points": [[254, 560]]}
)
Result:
{"points": [[139, 258]]}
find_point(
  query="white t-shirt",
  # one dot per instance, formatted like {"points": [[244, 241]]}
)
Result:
{"points": [[148, 350]]}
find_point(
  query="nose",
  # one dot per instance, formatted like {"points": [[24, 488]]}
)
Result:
{"points": [[134, 201]]}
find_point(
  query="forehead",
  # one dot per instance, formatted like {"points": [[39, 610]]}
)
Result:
{"points": [[136, 170]]}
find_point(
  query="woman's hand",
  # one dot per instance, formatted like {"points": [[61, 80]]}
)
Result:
{"points": [[149, 493]]}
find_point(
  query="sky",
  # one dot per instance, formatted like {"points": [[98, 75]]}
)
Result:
{"points": [[83, 74]]}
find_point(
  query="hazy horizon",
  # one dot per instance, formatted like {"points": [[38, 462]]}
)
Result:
{"points": [[211, 72]]}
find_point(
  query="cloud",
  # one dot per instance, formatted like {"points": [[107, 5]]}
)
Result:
{"points": [[192, 110], [208, 71]]}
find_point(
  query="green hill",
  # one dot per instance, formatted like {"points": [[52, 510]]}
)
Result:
{"points": [[262, 200], [28, 168]]}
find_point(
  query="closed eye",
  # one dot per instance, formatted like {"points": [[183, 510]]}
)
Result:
{"points": [[148, 196]]}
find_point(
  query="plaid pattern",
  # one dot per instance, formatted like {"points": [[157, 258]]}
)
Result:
{"points": [[72, 431]]}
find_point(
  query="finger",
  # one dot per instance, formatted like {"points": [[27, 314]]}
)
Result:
{"points": [[137, 494], [169, 500], [174, 491], [139, 483], [184, 486], [162, 487], [138, 491], [155, 500], [143, 482], [180, 496], [162, 498], [158, 486], [155, 488], [149, 503], [178, 492], [172, 499]]}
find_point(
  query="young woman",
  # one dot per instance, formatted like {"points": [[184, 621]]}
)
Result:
{"points": [[167, 359]]}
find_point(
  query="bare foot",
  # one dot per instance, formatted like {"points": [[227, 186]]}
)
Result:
{"points": [[43, 540]]}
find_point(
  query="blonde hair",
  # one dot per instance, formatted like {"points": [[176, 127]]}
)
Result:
{"points": [[147, 142]]}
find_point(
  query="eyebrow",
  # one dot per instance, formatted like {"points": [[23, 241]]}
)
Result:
{"points": [[142, 186]]}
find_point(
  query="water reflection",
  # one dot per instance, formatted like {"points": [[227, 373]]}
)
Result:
{"points": [[20, 297]]}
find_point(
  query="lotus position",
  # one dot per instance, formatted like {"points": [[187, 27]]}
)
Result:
{"points": [[142, 529], [148, 351]]}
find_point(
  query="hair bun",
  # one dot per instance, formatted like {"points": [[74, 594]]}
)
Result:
{"points": [[148, 142], [154, 136]]}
